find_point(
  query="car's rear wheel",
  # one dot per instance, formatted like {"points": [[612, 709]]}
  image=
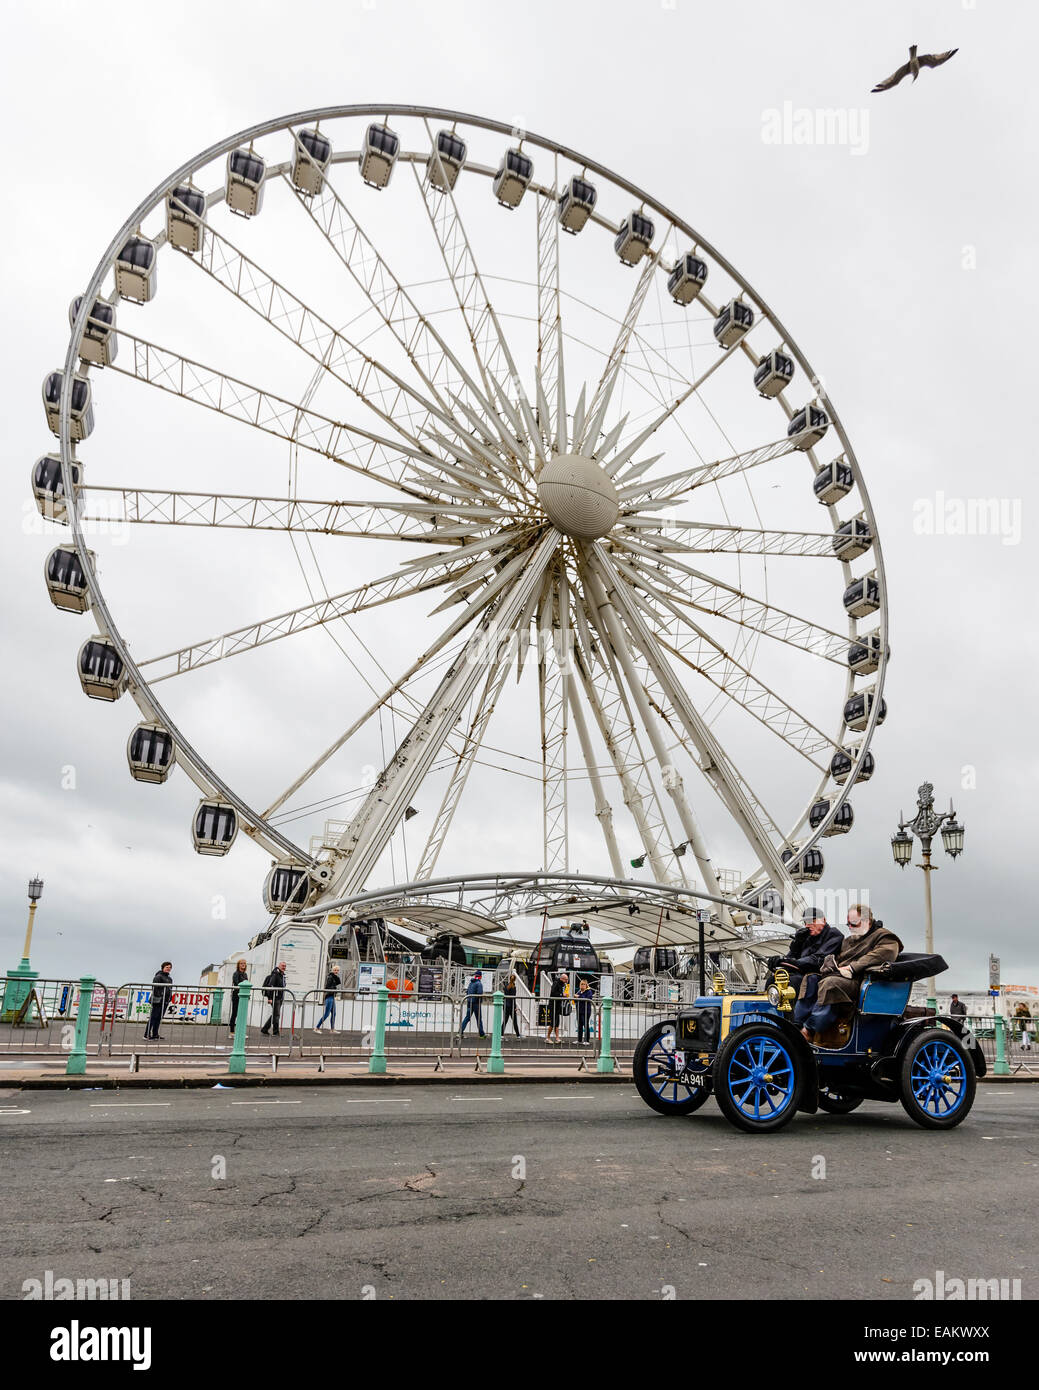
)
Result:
{"points": [[937, 1081], [664, 1077], [837, 1103], [756, 1078]]}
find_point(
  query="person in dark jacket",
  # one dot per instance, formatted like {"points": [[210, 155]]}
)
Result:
{"points": [[957, 1008], [274, 990], [835, 989], [162, 988], [809, 947], [558, 995], [241, 974], [583, 1003], [474, 1004], [509, 1011], [331, 985]]}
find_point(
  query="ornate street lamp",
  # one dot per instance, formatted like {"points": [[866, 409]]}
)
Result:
{"points": [[925, 825], [19, 981]]}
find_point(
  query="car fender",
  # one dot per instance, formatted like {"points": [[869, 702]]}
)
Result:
{"points": [[808, 1066]]}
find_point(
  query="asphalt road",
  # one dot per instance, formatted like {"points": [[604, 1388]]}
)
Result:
{"points": [[412, 1192]]}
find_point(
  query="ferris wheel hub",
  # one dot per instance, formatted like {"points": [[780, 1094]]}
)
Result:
{"points": [[578, 497]]}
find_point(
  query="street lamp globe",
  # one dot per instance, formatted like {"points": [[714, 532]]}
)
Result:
{"points": [[902, 847], [952, 837], [35, 889]]}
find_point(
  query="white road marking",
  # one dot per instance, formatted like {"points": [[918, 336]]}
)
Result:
{"points": [[476, 1097], [388, 1100], [128, 1104], [266, 1102]]}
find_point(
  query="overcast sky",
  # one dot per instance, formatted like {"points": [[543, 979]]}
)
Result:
{"points": [[903, 261]]}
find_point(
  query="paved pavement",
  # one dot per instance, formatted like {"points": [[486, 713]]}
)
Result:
{"points": [[542, 1190]]}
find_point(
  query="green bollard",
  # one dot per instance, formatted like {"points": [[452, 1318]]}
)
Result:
{"points": [[605, 1062], [236, 1061], [496, 1062], [377, 1061], [77, 1063], [1001, 1068]]}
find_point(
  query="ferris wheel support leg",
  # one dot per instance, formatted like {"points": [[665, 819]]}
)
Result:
{"points": [[670, 776], [711, 753], [603, 810]]}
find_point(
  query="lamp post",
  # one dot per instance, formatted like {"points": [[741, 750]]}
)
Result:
{"points": [[20, 980], [925, 825]]}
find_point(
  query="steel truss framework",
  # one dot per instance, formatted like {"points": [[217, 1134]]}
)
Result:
{"points": [[455, 443]]}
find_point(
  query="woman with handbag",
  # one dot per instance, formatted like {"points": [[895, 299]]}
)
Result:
{"points": [[559, 1004]]}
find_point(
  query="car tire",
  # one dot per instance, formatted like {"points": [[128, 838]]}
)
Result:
{"points": [[757, 1078], [647, 1065], [936, 1079]]}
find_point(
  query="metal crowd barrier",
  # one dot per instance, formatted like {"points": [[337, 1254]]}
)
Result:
{"points": [[38, 1016]]}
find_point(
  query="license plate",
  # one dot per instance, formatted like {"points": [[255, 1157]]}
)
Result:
{"points": [[679, 1060], [695, 1079]]}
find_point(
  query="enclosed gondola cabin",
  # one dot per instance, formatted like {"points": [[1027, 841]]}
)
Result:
{"points": [[576, 204], [513, 178], [807, 427], [287, 886], [733, 323], [215, 827], [445, 160], [804, 868], [852, 539], [655, 960], [48, 487], [313, 152], [65, 579], [135, 270], [185, 214], [841, 823], [243, 187], [842, 762], [687, 278], [858, 708], [98, 344], [150, 753], [81, 407], [101, 671], [832, 482], [862, 597], [633, 239], [378, 155], [864, 655], [773, 374]]}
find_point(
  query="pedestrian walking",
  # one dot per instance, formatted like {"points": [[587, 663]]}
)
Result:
{"points": [[509, 1012], [240, 975], [274, 993], [1023, 1019], [585, 997], [957, 1008], [162, 988], [331, 985], [474, 1004]]}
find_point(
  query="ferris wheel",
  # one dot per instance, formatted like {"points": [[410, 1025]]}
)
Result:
{"points": [[611, 473]]}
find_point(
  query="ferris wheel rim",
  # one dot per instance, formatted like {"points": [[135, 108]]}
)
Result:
{"points": [[205, 777]]}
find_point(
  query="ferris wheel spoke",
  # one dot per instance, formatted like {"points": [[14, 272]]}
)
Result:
{"points": [[463, 765], [553, 668], [588, 443], [490, 346], [677, 485], [705, 537], [366, 596], [715, 598], [702, 653], [381, 460], [551, 382], [384, 393], [713, 758], [431, 357], [417, 522], [603, 809], [611, 708], [375, 822]]}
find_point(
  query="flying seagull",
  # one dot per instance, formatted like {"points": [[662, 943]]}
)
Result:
{"points": [[926, 60]]}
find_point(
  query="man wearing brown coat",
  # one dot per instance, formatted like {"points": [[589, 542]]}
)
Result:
{"points": [[867, 945]]}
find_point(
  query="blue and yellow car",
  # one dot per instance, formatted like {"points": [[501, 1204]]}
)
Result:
{"points": [[745, 1050]]}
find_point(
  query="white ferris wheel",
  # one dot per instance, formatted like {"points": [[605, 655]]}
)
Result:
{"points": [[571, 519]]}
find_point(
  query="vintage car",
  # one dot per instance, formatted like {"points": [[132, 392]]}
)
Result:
{"points": [[746, 1050]]}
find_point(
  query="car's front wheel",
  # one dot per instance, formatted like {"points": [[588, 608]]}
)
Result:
{"points": [[756, 1078]]}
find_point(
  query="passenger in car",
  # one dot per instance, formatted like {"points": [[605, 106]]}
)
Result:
{"points": [[824, 996]]}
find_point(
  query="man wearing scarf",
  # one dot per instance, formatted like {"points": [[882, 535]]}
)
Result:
{"points": [[867, 945]]}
